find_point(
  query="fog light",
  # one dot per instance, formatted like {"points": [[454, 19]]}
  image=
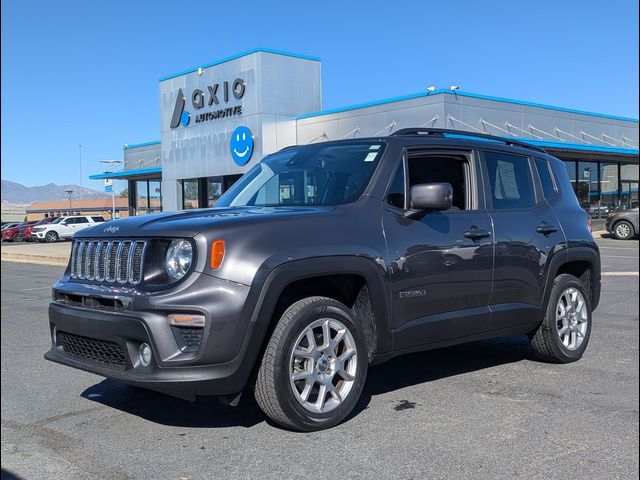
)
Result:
{"points": [[186, 320], [145, 354]]}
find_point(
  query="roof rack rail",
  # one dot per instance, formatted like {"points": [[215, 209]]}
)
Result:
{"points": [[441, 132]]}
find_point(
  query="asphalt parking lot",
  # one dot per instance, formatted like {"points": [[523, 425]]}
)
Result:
{"points": [[482, 410]]}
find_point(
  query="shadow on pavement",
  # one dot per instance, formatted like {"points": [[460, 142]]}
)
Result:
{"points": [[401, 372], [205, 412], [8, 475], [447, 362]]}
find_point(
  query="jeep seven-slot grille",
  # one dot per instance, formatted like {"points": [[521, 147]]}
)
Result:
{"points": [[110, 261]]}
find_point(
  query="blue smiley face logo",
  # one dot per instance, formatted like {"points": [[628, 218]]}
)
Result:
{"points": [[241, 145]]}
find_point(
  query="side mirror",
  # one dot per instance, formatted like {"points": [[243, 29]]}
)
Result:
{"points": [[431, 196]]}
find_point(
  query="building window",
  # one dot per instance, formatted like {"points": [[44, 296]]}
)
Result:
{"points": [[587, 186], [155, 196], [628, 186], [142, 197], [190, 193], [214, 190], [609, 187]]}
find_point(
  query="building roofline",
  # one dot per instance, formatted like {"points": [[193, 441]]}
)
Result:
{"points": [[463, 94], [125, 173], [244, 54], [140, 145]]}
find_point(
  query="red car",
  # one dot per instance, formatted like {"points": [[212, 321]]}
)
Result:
{"points": [[12, 234], [25, 228]]}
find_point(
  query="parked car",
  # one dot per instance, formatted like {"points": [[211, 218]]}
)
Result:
{"points": [[623, 225], [8, 225], [597, 211], [25, 229], [64, 227], [12, 234], [324, 259]]}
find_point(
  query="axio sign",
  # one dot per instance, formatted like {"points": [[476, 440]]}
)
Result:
{"points": [[214, 96]]}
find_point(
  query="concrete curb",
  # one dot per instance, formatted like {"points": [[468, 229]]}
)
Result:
{"points": [[39, 259]]}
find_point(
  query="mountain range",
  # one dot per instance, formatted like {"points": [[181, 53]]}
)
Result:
{"points": [[17, 193]]}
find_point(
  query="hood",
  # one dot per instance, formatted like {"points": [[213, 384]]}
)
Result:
{"points": [[189, 223]]}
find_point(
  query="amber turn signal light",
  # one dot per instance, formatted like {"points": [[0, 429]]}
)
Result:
{"points": [[217, 254], [186, 320]]}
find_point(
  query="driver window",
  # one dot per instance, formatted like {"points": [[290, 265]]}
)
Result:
{"points": [[441, 168]]}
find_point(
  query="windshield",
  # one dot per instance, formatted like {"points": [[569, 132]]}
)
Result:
{"points": [[310, 175], [58, 220]]}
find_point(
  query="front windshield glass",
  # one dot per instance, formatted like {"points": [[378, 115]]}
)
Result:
{"points": [[58, 220], [319, 174]]}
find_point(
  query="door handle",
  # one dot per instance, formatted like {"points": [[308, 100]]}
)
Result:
{"points": [[546, 228], [476, 233]]}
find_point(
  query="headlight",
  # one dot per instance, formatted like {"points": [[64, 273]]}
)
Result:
{"points": [[178, 259]]}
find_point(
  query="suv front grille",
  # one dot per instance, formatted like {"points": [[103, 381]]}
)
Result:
{"points": [[109, 261], [101, 351]]}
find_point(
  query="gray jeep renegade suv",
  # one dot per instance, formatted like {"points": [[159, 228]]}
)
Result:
{"points": [[327, 258]]}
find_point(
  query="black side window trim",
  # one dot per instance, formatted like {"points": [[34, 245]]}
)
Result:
{"points": [[401, 164]]}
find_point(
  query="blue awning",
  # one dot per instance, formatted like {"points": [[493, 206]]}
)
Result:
{"points": [[125, 174]]}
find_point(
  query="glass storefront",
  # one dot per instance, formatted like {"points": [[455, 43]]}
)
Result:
{"points": [[604, 187], [155, 196], [148, 197], [190, 193], [142, 197], [214, 190]]}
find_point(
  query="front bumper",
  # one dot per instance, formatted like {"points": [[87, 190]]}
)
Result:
{"points": [[221, 365]]}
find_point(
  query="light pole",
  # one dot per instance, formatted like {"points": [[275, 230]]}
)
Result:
{"points": [[69, 192], [113, 191]]}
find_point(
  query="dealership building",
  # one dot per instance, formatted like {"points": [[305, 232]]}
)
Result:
{"points": [[220, 119]]}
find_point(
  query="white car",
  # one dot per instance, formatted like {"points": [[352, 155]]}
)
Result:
{"points": [[64, 227]]}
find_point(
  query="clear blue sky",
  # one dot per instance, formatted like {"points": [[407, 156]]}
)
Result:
{"points": [[86, 72]]}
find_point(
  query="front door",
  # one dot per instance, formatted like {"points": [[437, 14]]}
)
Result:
{"points": [[440, 263]]}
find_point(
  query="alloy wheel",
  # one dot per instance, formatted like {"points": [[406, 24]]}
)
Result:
{"points": [[571, 318], [323, 365]]}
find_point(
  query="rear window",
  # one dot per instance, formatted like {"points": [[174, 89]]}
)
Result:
{"points": [[97, 219], [544, 172]]}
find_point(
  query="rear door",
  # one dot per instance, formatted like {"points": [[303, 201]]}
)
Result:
{"points": [[526, 232], [440, 263]]}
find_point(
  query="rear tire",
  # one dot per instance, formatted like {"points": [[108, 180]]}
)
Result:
{"points": [[563, 335], [623, 230], [310, 378], [51, 237]]}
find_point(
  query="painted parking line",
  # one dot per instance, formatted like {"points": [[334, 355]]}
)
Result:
{"points": [[619, 274], [619, 256]]}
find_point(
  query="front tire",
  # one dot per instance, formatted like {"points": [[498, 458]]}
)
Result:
{"points": [[51, 237], [623, 230], [564, 334], [314, 367]]}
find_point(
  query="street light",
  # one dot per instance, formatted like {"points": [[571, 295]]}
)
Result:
{"points": [[69, 192], [113, 192]]}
